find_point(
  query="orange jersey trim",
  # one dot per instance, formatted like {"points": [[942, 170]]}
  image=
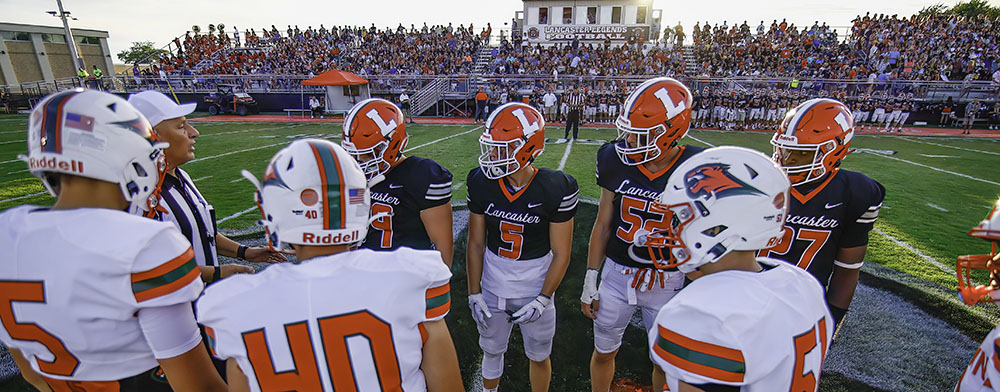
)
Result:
{"points": [[164, 268]]}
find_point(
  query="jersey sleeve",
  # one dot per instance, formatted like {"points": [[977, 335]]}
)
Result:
{"points": [[438, 186], [568, 200], [165, 272], [691, 346], [472, 187], [607, 158], [437, 294], [866, 201]]}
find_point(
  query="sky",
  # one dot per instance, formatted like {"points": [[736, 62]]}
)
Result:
{"points": [[160, 21]]}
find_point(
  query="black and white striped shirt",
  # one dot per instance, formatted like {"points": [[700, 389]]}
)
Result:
{"points": [[574, 100], [182, 204]]}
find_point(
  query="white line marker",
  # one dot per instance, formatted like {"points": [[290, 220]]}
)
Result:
{"points": [[922, 255], [237, 214], [238, 151], [15, 141], [237, 180], [444, 138], [23, 197], [10, 161], [933, 168], [252, 130], [937, 156], [700, 141], [17, 171], [457, 186], [955, 147], [203, 178], [931, 205], [562, 162]]}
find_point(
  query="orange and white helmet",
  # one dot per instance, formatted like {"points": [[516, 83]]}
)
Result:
{"points": [[375, 136], [312, 193], [93, 134], [514, 136], [821, 126], [988, 229], [655, 116]]}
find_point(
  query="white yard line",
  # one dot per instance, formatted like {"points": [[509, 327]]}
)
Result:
{"points": [[203, 178], [444, 138], [934, 206], [457, 186], [947, 146], [238, 180], [238, 151], [17, 171], [15, 141], [700, 141], [237, 214], [252, 130], [562, 162], [10, 161], [934, 168], [23, 197], [922, 255]]}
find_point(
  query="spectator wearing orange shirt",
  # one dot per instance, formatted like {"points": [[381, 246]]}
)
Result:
{"points": [[481, 99]]}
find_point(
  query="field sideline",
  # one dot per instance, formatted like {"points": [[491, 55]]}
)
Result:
{"points": [[937, 188]]}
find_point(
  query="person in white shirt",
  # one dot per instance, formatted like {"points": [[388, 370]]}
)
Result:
{"points": [[314, 105], [549, 101], [404, 103]]}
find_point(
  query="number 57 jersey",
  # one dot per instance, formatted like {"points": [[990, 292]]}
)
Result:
{"points": [[344, 322], [759, 331]]}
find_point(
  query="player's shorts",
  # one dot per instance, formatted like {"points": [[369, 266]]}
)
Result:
{"points": [[741, 115], [590, 110], [703, 113], [619, 301], [894, 116], [863, 116], [613, 110], [537, 335], [602, 108], [756, 113], [878, 116], [772, 115]]}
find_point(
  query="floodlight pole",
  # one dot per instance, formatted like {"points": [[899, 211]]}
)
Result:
{"points": [[77, 62]]}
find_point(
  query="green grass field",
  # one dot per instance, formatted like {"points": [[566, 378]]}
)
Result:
{"points": [[937, 188]]}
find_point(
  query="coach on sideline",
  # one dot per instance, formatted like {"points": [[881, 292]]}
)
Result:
{"points": [[180, 201]]}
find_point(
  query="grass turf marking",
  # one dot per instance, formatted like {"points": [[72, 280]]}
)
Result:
{"points": [[930, 167], [444, 138], [562, 162], [700, 141], [947, 146], [238, 214], [22, 197]]}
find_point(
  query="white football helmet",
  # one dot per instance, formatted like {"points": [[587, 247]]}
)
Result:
{"points": [[720, 200], [97, 135], [313, 193]]}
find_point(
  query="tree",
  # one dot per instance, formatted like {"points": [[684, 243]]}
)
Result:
{"points": [[141, 52], [974, 8]]}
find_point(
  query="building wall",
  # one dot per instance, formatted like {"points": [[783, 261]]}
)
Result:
{"points": [[59, 60], [24, 60], [93, 54]]}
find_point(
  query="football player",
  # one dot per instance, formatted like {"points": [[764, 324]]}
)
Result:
{"points": [[520, 236], [412, 195], [321, 324], [832, 210], [983, 372], [94, 298], [722, 206], [632, 172]]}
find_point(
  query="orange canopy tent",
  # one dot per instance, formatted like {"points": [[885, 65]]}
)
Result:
{"points": [[334, 101], [335, 78]]}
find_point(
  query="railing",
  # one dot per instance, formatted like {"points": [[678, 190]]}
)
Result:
{"points": [[464, 86]]}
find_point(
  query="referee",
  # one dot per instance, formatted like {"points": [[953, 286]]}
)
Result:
{"points": [[180, 201], [574, 101]]}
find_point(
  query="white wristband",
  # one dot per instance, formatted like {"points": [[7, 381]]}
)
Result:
{"points": [[848, 266]]}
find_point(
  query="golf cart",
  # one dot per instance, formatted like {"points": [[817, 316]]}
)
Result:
{"points": [[230, 98]]}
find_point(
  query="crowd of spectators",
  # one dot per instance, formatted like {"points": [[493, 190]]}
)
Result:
{"points": [[879, 48], [590, 59], [434, 50]]}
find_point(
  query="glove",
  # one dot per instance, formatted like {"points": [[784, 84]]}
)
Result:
{"points": [[590, 287], [480, 312], [532, 310]]}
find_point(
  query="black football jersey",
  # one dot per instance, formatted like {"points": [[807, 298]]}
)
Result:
{"points": [[634, 188], [517, 222], [414, 185], [836, 213]]}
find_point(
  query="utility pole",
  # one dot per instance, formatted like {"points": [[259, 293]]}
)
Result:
{"points": [[77, 61]]}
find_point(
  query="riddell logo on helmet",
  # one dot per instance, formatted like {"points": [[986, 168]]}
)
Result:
{"points": [[330, 239], [55, 163]]}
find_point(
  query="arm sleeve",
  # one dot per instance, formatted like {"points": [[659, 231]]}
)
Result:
{"points": [[604, 161], [691, 346], [165, 272], [866, 202], [471, 187], [438, 186], [169, 330], [568, 201]]}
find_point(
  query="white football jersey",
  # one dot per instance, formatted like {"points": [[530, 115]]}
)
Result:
{"points": [[761, 331], [983, 373], [74, 280], [349, 321]]}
